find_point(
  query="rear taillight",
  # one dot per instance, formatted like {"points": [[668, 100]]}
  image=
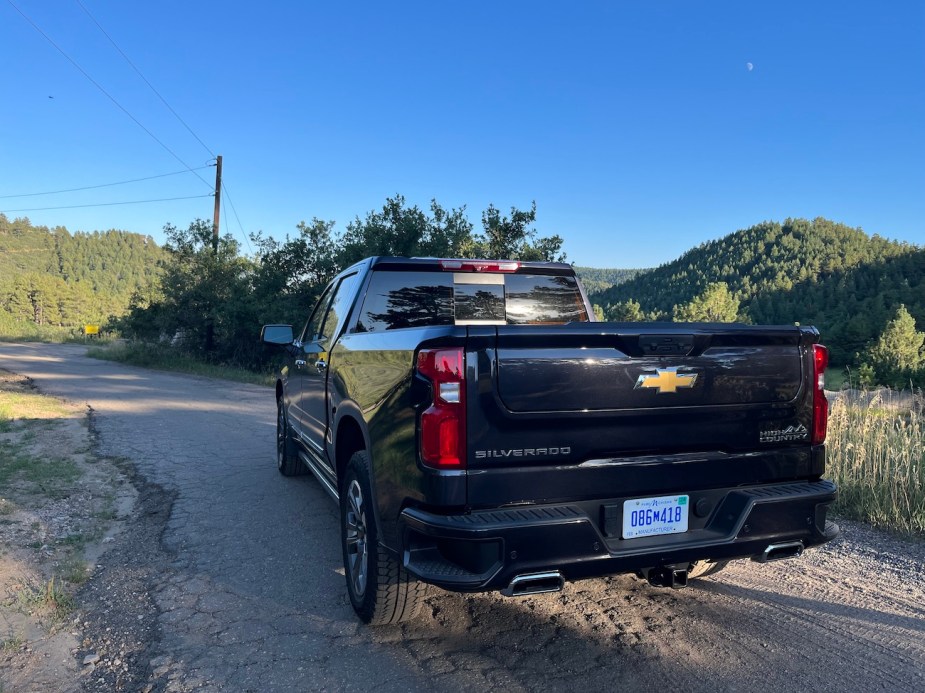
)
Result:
{"points": [[443, 423], [820, 403], [480, 265]]}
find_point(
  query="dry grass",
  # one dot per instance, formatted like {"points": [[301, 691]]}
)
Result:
{"points": [[165, 358], [876, 455], [19, 404], [48, 598]]}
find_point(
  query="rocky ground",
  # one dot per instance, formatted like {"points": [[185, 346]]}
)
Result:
{"points": [[61, 506]]}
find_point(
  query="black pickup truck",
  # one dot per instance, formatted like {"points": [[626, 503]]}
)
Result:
{"points": [[481, 432]]}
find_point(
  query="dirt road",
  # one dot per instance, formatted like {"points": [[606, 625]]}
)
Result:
{"points": [[230, 579]]}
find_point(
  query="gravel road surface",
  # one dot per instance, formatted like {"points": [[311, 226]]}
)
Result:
{"points": [[230, 578]]}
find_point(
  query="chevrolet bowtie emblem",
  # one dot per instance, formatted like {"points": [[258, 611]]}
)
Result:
{"points": [[666, 380]]}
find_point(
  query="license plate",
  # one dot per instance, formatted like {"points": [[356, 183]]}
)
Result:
{"points": [[650, 517]]}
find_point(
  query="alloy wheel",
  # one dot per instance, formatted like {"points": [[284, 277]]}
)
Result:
{"points": [[357, 549]]}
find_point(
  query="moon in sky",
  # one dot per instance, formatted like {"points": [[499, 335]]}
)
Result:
{"points": [[749, 67]]}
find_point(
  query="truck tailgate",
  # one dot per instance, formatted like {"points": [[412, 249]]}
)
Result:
{"points": [[594, 395]]}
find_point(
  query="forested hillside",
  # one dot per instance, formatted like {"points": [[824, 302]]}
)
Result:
{"points": [[850, 285], [596, 280], [822, 273], [52, 277]]}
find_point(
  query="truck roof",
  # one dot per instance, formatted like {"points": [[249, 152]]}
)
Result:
{"points": [[469, 265]]}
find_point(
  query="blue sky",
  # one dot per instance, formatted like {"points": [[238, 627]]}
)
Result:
{"points": [[637, 127]]}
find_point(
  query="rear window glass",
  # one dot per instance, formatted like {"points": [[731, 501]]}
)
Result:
{"points": [[479, 304], [533, 299], [396, 300]]}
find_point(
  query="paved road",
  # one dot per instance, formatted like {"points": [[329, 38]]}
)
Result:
{"points": [[231, 579]]}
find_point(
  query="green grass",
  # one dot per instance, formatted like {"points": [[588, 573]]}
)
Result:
{"points": [[28, 405], [876, 455], [164, 358], [25, 331], [45, 475], [74, 570], [21, 331], [30, 476], [50, 597], [72, 540], [12, 643]]}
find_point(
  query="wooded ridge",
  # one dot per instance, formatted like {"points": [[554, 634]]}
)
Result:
{"points": [[819, 272], [855, 288], [52, 277]]}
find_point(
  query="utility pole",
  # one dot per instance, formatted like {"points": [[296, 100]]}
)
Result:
{"points": [[210, 324], [218, 202]]}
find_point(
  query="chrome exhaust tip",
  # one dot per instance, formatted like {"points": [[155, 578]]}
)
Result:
{"points": [[534, 583], [778, 552]]}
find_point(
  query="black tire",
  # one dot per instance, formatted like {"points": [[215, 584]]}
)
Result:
{"points": [[287, 459], [702, 569], [380, 590]]}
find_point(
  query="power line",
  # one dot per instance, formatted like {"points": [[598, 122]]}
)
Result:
{"points": [[106, 93], [240, 226], [151, 86], [225, 213], [105, 204], [101, 185]]}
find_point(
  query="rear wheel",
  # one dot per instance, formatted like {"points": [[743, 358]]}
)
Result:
{"points": [[287, 460], [381, 590], [702, 569]]}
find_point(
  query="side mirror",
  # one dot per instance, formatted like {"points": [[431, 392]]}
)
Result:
{"points": [[279, 335]]}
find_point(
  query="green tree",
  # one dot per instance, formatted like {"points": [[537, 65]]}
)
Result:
{"points": [[715, 304], [205, 287], [289, 276], [16, 300], [838, 278], [626, 311], [897, 357], [596, 279], [67, 280], [512, 238], [206, 304], [405, 231]]}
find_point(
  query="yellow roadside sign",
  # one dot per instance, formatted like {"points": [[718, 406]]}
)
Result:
{"points": [[91, 329]]}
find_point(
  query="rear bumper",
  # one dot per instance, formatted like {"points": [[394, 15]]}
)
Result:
{"points": [[485, 550]]}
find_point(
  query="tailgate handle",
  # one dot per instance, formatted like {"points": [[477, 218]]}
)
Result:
{"points": [[666, 344]]}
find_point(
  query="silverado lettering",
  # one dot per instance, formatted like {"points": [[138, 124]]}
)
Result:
{"points": [[414, 383], [525, 452]]}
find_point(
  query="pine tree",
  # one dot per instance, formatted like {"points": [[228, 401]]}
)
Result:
{"points": [[897, 358], [715, 304], [626, 311]]}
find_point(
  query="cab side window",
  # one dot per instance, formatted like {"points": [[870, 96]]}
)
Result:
{"points": [[313, 326], [330, 311], [340, 306]]}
